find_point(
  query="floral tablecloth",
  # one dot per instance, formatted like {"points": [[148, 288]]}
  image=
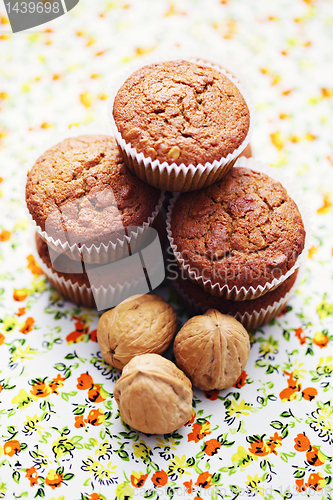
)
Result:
{"points": [[270, 436]]}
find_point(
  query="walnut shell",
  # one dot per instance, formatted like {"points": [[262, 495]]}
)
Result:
{"points": [[212, 350], [153, 395], [138, 325]]}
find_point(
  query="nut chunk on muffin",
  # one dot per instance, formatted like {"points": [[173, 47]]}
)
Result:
{"points": [[80, 190], [243, 231], [181, 112]]}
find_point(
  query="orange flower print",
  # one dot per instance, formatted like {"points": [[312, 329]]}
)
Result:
{"points": [[274, 442], [11, 448], [93, 335], [190, 422], [277, 140], [327, 203], [312, 457], [95, 417], [320, 339], [204, 480], [189, 486], [302, 442], [31, 474], [212, 395], [41, 389], [33, 266], [290, 392], [21, 311], [96, 394], [159, 478], [57, 382], [211, 447], [20, 295], [27, 327], [75, 337], [316, 482], [78, 335], [294, 386], [138, 479], [300, 485], [199, 431], [309, 393], [300, 335], [84, 381], [79, 422], [241, 381], [1, 388], [53, 479], [2, 339], [259, 448], [5, 235], [312, 251], [287, 394]]}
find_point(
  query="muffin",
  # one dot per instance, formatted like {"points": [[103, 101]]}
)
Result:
{"points": [[74, 286], [180, 124], [247, 151], [251, 313], [82, 198], [239, 237], [94, 286]]}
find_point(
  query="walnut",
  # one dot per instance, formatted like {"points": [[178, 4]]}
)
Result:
{"points": [[153, 395], [212, 350], [139, 324]]}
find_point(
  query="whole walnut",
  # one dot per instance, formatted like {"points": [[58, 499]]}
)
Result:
{"points": [[139, 324], [212, 350], [153, 395]]}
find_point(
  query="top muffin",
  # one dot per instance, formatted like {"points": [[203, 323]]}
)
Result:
{"points": [[81, 191], [181, 112], [243, 231]]}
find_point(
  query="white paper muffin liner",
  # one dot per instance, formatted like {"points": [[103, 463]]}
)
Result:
{"points": [[93, 254], [243, 293], [253, 320], [93, 297], [173, 177]]}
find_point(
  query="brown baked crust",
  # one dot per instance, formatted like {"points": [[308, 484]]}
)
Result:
{"points": [[207, 301], [76, 178], [182, 112], [244, 230]]}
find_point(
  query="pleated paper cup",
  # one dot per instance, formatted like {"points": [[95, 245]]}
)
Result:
{"points": [[97, 297], [102, 254], [222, 289], [80, 295], [256, 316], [118, 248], [173, 177]]}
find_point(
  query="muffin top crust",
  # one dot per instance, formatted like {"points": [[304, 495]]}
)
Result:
{"points": [[81, 191], [243, 231], [182, 112]]}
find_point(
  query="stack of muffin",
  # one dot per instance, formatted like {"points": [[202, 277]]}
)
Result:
{"points": [[90, 211], [180, 126]]}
